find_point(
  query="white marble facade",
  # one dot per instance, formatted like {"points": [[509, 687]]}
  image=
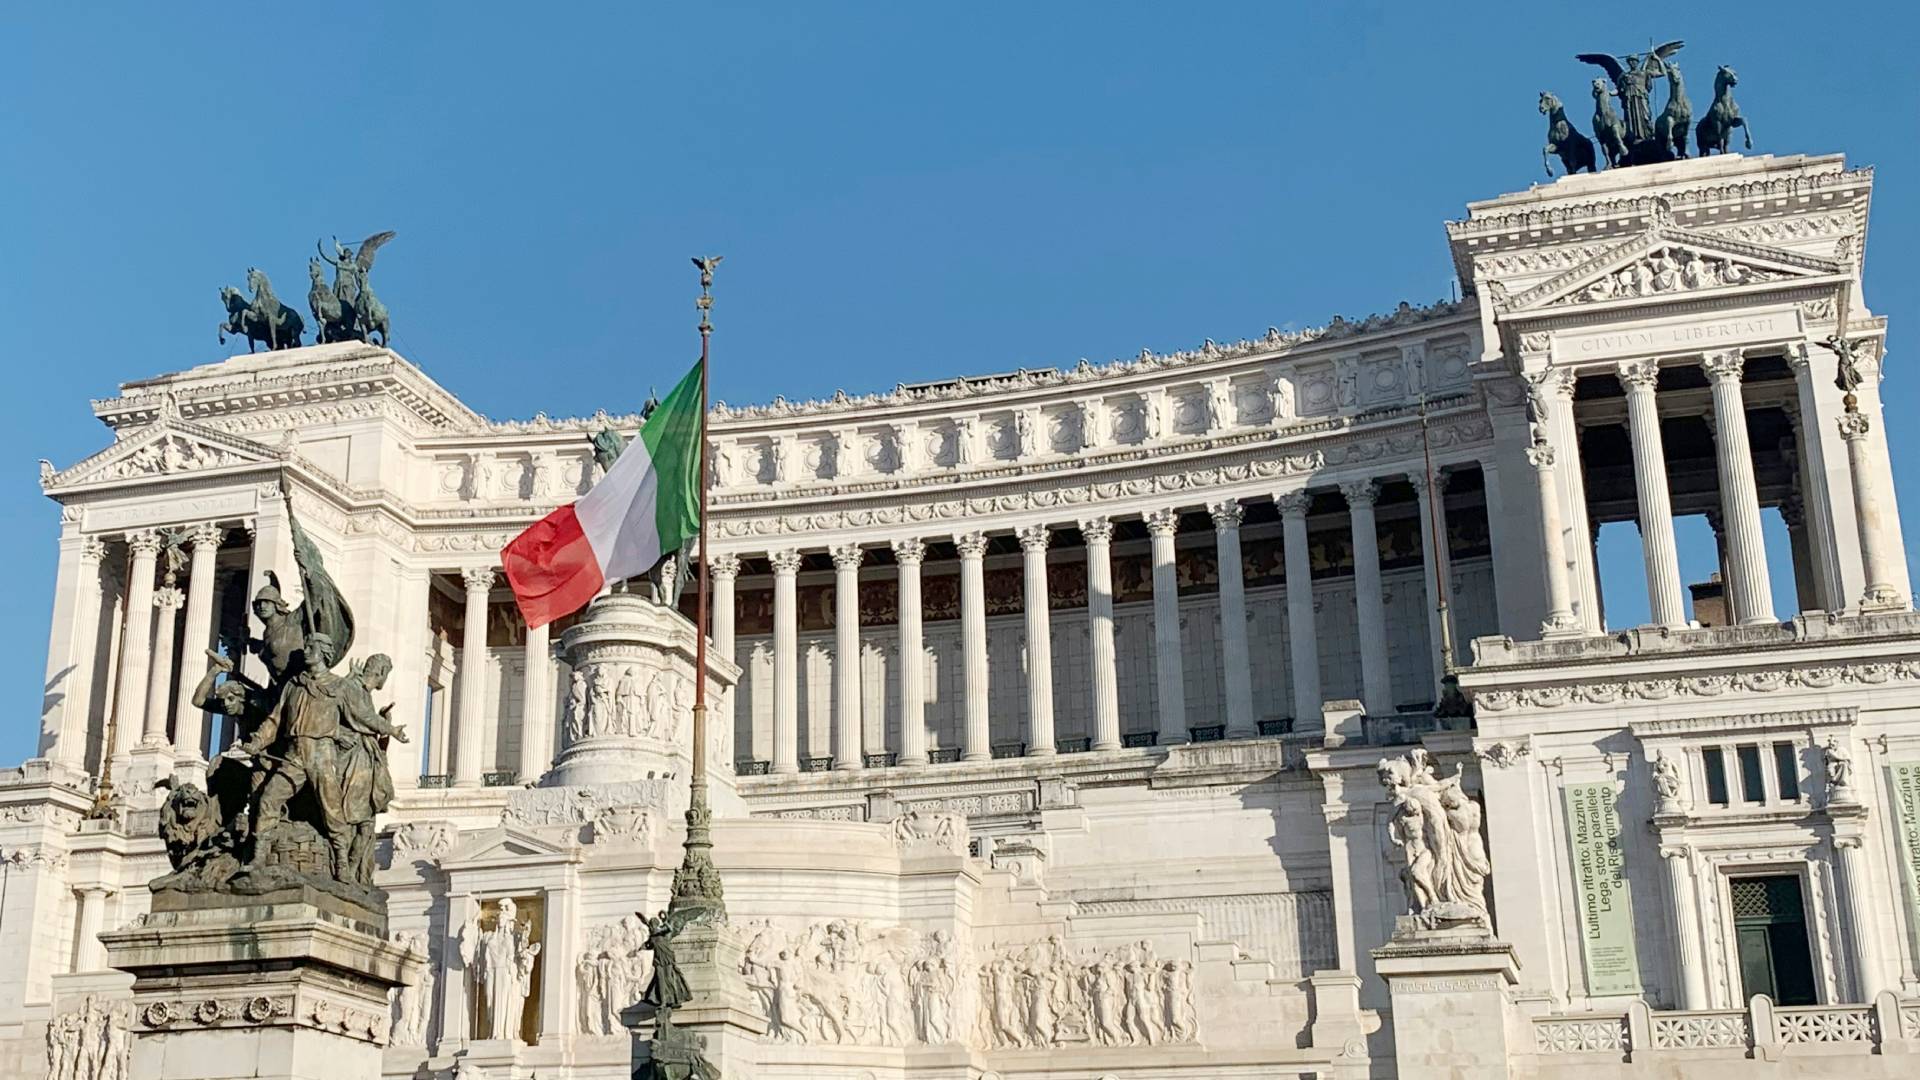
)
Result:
{"points": [[1061, 694]]}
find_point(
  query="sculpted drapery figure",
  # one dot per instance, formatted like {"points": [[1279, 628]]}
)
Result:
{"points": [[1437, 825], [501, 959]]}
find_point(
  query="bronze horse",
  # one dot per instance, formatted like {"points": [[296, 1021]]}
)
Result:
{"points": [[1716, 128], [1575, 149], [262, 319]]}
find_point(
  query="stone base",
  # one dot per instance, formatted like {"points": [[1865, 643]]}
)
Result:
{"points": [[286, 986], [722, 1012], [1450, 1015]]}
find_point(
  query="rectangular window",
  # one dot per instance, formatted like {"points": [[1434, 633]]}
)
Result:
{"points": [[1753, 786], [1787, 765], [1716, 765]]}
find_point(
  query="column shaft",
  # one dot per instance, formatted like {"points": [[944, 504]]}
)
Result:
{"points": [[847, 750], [469, 750], [1376, 681], [1241, 723], [973, 645], [1665, 603], [1571, 488], [1302, 639], [1098, 533], [1748, 585], [1560, 621], [189, 722], [1040, 737], [536, 711], [136, 651], [1685, 916], [1168, 665], [1856, 901], [89, 954], [166, 606], [908, 555], [1434, 565], [786, 667], [1824, 587], [721, 576], [1876, 555]]}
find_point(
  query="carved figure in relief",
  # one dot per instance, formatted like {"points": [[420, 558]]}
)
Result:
{"points": [[1219, 405], [413, 1005], [92, 1042], [577, 706], [1666, 780], [501, 959], [1437, 825], [1839, 767], [600, 710], [627, 704]]}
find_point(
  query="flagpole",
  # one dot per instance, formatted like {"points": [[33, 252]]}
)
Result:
{"points": [[697, 896]]}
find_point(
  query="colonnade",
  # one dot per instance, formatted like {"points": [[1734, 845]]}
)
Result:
{"points": [[849, 748]]}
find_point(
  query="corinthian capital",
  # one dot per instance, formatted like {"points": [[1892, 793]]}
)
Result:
{"points": [[144, 542], [1163, 522], [1639, 374], [785, 563], [1096, 530], [207, 535], [1293, 503], [971, 545], [478, 579], [847, 557], [1359, 492], [1227, 514], [909, 552], [1034, 537], [724, 565], [1723, 365]]}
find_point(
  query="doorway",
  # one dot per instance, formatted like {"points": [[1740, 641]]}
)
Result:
{"points": [[1770, 927]]}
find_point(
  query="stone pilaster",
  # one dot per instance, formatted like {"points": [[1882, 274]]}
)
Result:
{"points": [[1665, 604], [1303, 641], [1450, 1011], [786, 667], [848, 753], [1098, 534], [1570, 486], [1040, 738], [909, 556], [1375, 679], [1434, 564], [71, 660], [972, 548], [722, 574], [1746, 552], [1683, 910], [1169, 668], [536, 718], [469, 742]]}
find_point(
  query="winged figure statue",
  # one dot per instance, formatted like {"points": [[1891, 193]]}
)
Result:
{"points": [[1633, 77], [354, 313]]}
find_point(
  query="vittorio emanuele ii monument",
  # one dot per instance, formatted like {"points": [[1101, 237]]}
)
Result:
{"points": [[1247, 711]]}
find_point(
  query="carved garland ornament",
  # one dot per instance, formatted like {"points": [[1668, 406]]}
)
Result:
{"points": [[1699, 686]]}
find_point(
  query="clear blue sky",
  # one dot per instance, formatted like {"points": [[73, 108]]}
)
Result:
{"points": [[902, 191]]}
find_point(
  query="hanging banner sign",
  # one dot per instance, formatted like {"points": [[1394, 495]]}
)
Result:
{"points": [[1600, 889]]}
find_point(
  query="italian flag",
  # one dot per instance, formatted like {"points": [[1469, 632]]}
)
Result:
{"points": [[646, 506]]}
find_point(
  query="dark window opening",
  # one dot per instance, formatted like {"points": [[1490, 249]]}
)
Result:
{"points": [[1716, 766], [1787, 765], [1770, 922], [1753, 786]]}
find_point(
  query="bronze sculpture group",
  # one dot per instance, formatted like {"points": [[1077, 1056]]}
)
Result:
{"points": [[1634, 135], [293, 802], [346, 310]]}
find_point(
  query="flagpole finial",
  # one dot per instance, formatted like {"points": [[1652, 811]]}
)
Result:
{"points": [[707, 264]]}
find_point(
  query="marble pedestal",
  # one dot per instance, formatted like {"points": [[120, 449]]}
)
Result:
{"points": [[1449, 989], [721, 1011], [290, 985]]}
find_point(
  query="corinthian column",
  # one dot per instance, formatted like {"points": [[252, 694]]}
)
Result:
{"points": [[847, 752], [1169, 669], [909, 555], [1303, 640], [1747, 584], [1553, 545], [469, 755], [1876, 555], [1375, 680], [1856, 900], [166, 606], [972, 548], [786, 669], [136, 643], [189, 722], [1433, 563], [1233, 619], [1666, 606], [1098, 533], [1040, 740]]}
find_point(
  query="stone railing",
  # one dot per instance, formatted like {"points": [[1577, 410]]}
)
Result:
{"points": [[1762, 1030]]}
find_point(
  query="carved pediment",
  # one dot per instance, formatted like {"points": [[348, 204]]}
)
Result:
{"points": [[502, 842], [1667, 261], [171, 446]]}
